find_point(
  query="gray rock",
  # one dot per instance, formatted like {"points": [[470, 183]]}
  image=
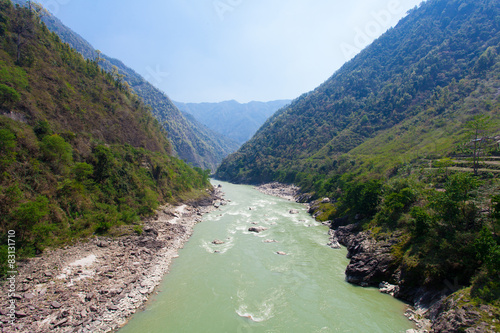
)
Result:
{"points": [[257, 229], [387, 288], [20, 314], [56, 305], [29, 296], [112, 307]]}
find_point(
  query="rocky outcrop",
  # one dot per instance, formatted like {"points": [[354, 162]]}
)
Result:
{"points": [[371, 261], [95, 286], [333, 241], [456, 314]]}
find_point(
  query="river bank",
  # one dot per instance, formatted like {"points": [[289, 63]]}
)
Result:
{"points": [[284, 191], [95, 286]]}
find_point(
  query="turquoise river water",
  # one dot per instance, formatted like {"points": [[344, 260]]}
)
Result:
{"points": [[243, 285]]}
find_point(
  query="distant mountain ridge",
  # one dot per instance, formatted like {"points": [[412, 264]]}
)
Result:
{"points": [[236, 121], [191, 141]]}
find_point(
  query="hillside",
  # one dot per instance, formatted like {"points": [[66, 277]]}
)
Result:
{"points": [[413, 78], [399, 152], [191, 141], [80, 153], [234, 120]]}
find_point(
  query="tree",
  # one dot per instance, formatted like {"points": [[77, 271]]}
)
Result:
{"points": [[23, 28], [477, 129], [99, 57]]}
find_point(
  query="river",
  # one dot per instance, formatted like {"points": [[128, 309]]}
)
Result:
{"points": [[243, 285]]}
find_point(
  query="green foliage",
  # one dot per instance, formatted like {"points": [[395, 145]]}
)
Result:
{"points": [[8, 95], [7, 143], [361, 198], [452, 206], [85, 155], [57, 152], [42, 128]]}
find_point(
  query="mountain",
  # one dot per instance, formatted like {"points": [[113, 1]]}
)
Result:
{"points": [[407, 88], [399, 153], [191, 141], [232, 119], [80, 153]]}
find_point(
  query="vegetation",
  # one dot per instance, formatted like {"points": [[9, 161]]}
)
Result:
{"points": [[191, 141], [417, 85], [80, 154], [404, 140]]}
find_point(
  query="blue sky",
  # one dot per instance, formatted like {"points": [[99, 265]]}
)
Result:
{"points": [[215, 50]]}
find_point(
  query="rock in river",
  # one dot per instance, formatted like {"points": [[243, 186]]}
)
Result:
{"points": [[257, 229]]}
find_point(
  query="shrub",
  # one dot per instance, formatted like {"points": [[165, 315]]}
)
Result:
{"points": [[8, 95]]}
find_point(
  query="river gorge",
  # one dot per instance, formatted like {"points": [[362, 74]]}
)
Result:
{"points": [[280, 277]]}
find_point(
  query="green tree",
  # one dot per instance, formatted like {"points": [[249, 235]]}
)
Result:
{"points": [[477, 130], [7, 145], [57, 152], [29, 214]]}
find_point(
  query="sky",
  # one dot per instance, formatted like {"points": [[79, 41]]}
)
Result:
{"points": [[216, 50]]}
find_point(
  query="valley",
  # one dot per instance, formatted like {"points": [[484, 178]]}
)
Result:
{"points": [[387, 173]]}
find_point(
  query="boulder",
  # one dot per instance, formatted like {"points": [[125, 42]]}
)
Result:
{"points": [[217, 242], [257, 229]]}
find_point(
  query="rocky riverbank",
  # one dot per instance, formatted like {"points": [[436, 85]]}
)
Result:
{"points": [[95, 286], [372, 264], [284, 191]]}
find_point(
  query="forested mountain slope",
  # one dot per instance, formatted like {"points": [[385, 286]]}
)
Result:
{"points": [[191, 141], [235, 120], [407, 86], [80, 153]]}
